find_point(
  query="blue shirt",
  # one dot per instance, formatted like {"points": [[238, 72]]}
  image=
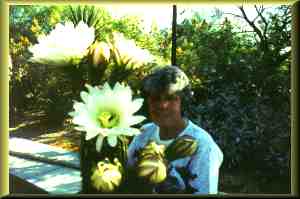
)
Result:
{"points": [[203, 165]]}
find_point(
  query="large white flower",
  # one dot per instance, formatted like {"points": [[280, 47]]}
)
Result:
{"points": [[64, 45], [127, 52], [107, 112]]}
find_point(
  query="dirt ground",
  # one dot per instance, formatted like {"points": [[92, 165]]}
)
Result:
{"points": [[36, 127], [20, 186]]}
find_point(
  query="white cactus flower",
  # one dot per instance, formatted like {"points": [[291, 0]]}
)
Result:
{"points": [[126, 51], [107, 112], [64, 45]]}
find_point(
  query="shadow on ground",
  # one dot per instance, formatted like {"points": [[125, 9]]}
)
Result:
{"points": [[36, 126], [19, 186]]}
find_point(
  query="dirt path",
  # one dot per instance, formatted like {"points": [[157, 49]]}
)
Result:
{"points": [[35, 126]]}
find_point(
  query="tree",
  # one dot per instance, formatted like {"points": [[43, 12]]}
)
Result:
{"points": [[241, 86]]}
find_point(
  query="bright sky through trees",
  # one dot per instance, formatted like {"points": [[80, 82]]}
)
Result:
{"points": [[162, 13]]}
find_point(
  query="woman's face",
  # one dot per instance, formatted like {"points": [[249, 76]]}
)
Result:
{"points": [[164, 109]]}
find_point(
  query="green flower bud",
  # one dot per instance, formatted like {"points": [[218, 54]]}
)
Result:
{"points": [[99, 53], [107, 176]]}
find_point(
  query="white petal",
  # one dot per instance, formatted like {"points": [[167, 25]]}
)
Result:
{"points": [[106, 86], [84, 96], [112, 140], [117, 100], [129, 50], [90, 134], [78, 106], [73, 113], [91, 89], [135, 120], [63, 45], [136, 105], [84, 119], [99, 142], [107, 92], [124, 131], [80, 128], [123, 92]]}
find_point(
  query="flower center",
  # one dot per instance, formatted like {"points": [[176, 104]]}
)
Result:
{"points": [[108, 119]]}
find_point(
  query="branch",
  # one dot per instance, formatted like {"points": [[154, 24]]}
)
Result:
{"points": [[255, 18], [284, 24], [287, 18], [246, 31], [259, 12], [226, 13], [260, 35]]}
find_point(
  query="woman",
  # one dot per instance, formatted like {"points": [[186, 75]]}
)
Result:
{"points": [[167, 91]]}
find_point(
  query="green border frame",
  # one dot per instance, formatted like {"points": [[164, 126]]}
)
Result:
{"points": [[4, 39], [4, 88], [294, 99]]}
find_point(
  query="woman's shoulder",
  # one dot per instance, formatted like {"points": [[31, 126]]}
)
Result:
{"points": [[204, 139], [147, 131], [198, 133], [147, 127]]}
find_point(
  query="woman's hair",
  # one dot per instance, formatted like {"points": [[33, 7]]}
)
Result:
{"points": [[171, 80]]}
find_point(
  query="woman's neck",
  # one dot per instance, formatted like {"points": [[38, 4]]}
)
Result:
{"points": [[170, 132]]}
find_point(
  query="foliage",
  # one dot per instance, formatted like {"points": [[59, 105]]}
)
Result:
{"points": [[27, 81], [45, 89], [242, 91], [98, 18]]}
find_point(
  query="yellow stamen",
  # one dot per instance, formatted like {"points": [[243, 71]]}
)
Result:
{"points": [[108, 119]]}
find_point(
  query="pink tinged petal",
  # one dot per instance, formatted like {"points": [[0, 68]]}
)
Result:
{"points": [[112, 140], [99, 142]]}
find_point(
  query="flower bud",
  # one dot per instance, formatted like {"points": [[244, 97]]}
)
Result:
{"points": [[107, 176], [153, 170], [99, 53], [152, 149]]}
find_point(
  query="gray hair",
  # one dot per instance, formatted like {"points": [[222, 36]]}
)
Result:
{"points": [[169, 79]]}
